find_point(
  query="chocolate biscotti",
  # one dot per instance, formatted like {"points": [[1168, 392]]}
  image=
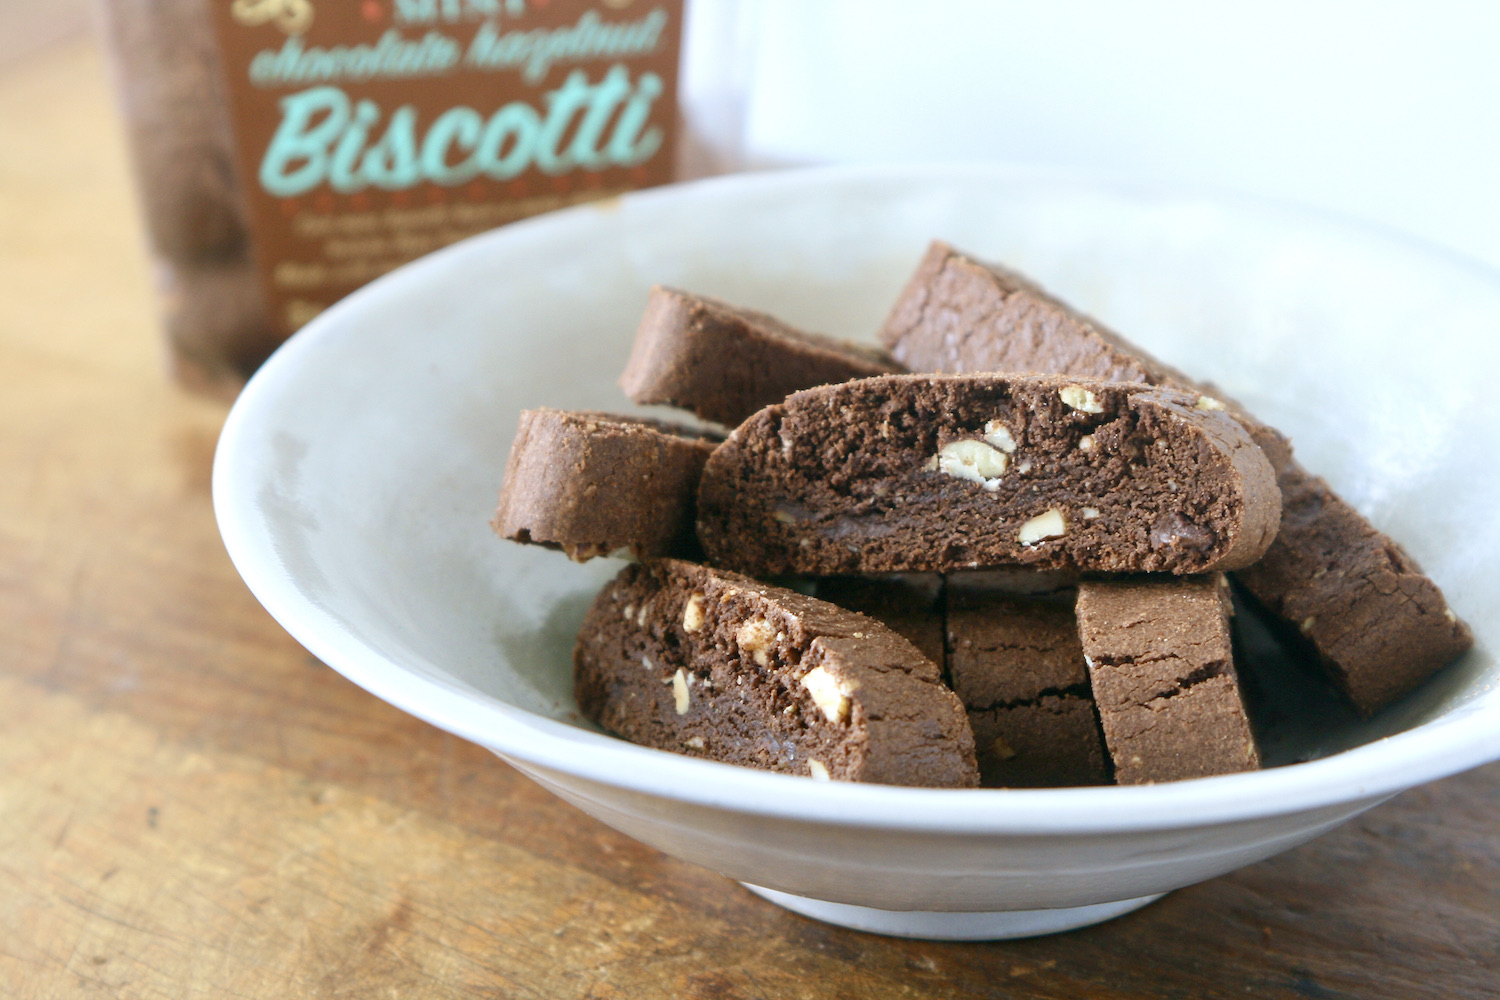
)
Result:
{"points": [[1017, 664], [724, 362], [685, 658], [938, 473], [1377, 624], [958, 315], [909, 604], [591, 484], [1162, 670]]}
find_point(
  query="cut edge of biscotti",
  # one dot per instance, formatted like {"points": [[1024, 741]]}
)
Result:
{"points": [[936, 473], [593, 484], [723, 362], [686, 658]]}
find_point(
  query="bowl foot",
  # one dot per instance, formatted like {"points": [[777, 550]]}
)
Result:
{"points": [[999, 925]]}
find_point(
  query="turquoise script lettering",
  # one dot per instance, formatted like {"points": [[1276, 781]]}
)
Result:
{"points": [[326, 138]]}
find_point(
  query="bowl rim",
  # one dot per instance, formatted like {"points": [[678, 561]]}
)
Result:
{"points": [[1461, 739]]}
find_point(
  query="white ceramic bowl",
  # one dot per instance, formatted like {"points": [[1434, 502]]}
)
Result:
{"points": [[356, 474]]}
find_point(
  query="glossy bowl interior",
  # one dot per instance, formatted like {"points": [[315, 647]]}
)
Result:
{"points": [[357, 472]]}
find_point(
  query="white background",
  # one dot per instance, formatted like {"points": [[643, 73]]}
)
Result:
{"points": [[1389, 112]]}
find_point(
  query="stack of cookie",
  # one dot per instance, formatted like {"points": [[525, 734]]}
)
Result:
{"points": [[999, 554]]}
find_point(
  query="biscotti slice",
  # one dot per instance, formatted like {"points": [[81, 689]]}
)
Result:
{"points": [[957, 315], [1162, 670], [1017, 665], [1353, 597], [592, 484], [929, 473], [681, 657], [1377, 624], [909, 604], [724, 362]]}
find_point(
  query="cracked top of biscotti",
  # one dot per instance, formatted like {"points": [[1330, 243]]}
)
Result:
{"points": [[1016, 663], [1161, 666], [1007, 649], [1179, 626], [948, 472]]}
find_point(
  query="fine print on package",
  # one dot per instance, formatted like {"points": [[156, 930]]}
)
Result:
{"points": [[290, 151]]}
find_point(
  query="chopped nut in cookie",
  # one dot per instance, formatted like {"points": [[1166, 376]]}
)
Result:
{"points": [[1079, 398], [755, 637], [974, 461], [1049, 524], [828, 693], [999, 435], [692, 613]]}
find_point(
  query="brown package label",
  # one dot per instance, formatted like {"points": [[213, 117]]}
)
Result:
{"points": [[370, 132]]}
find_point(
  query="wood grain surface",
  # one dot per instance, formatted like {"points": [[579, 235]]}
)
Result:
{"points": [[192, 806]]}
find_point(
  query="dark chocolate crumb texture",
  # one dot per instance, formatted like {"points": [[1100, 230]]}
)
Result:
{"points": [[1017, 664], [724, 362], [591, 484], [1377, 624], [941, 473], [685, 658], [1162, 670]]}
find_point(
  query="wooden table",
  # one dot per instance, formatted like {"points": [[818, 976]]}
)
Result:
{"points": [[192, 806]]}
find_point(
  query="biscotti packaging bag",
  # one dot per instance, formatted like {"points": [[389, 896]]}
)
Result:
{"points": [[289, 151]]}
